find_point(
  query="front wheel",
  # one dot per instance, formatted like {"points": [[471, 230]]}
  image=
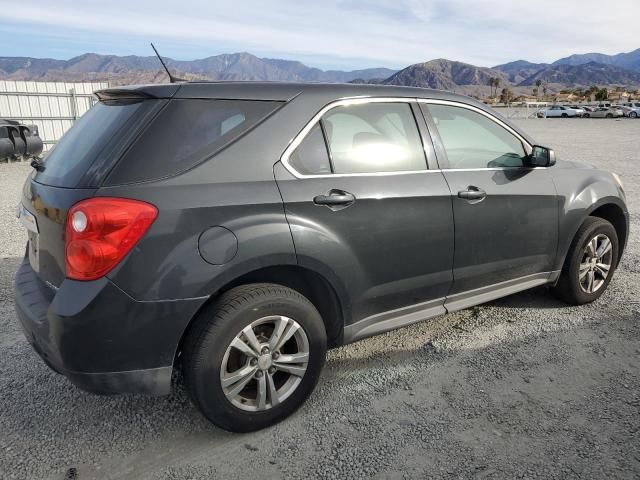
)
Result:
{"points": [[254, 356], [586, 115], [633, 115], [609, 115], [590, 263]]}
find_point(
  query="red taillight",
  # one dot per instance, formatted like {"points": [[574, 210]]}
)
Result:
{"points": [[101, 231]]}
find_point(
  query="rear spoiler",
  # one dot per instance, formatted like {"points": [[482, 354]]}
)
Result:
{"points": [[112, 94], [138, 92]]}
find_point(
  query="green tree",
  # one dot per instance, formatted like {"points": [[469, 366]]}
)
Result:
{"points": [[591, 91], [506, 95], [602, 94], [534, 91]]}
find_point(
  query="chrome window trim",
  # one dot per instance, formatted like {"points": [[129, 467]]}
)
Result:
{"points": [[340, 103], [284, 158], [527, 146]]}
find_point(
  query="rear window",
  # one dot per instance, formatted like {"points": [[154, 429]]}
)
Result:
{"points": [[89, 141], [185, 133]]}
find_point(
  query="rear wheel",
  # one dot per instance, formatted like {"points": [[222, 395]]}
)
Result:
{"points": [[633, 115], [609, 115], [587, 115], [564, 115], [590, 263], [254, 357]]}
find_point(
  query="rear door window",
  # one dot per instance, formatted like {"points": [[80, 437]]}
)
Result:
{"points": [[185, 133], [374, 137]]}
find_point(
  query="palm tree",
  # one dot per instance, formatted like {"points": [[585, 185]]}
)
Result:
{"points": [[491, 82], [538, 83], [494, 83]]}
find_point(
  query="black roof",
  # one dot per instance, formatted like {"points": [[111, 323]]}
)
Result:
{"points": [[272, 90]]}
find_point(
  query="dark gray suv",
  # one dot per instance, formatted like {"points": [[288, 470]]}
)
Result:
{"points": [[238, 230]]}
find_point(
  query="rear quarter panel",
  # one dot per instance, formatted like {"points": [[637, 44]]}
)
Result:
{"points": [[236, 190]]}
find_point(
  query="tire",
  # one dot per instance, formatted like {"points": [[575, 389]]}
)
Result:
{"points": [[609, 115], [633, 115], [570, 287], [208, 356], [586, 115], [564, 115]]}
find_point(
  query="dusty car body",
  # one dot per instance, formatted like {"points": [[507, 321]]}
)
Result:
{"points": [[237, 230]]}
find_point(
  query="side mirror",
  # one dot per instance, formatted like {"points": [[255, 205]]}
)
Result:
{"points": [[542, 156]]}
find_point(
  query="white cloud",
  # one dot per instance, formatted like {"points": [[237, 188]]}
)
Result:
{"points": [[339, 32]]}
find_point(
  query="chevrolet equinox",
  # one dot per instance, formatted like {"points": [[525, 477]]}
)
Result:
{"points": [[236, 230]]}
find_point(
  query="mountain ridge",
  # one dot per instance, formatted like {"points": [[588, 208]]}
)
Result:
{"points": [[520, 75], [626, 60], [234, 66]]}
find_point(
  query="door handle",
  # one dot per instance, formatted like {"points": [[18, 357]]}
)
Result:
{"points": [[472, 193], [336, 199]]}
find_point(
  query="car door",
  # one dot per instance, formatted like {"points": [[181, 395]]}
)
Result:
{"points": [[553, 112], [368, 214], [506, 212]]}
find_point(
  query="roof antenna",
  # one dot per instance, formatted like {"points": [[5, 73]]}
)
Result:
{"points": [[172, 79]]}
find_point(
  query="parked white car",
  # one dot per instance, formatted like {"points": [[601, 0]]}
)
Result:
{"points": [[558, 111], [578, 109]]}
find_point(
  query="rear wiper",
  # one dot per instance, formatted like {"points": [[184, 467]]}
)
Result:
{"points": [[38, 164]]}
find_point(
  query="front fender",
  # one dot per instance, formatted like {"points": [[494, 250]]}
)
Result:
{"points": [[580, 193]]}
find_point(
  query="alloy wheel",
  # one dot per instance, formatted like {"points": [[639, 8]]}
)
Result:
{"points": [[596, 263], [265, 363]]}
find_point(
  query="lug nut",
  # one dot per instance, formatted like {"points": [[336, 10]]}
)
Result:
{"points": [[272, 370], [253, 362], [259, 373], [275, 355], [265, 350]]}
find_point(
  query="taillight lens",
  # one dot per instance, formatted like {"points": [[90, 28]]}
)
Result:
{"points": [[100, 231]]}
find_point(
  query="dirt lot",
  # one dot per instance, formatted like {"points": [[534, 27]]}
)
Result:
{"points": [[523, 387]]}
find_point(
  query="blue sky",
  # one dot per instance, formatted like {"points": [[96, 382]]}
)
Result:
{"points": [[344, 34]]}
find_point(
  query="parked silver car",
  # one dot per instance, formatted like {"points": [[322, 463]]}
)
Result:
{"points": [[634, 109], [605, 112]]}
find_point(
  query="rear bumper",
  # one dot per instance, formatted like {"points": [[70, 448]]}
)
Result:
{"points": [[100, 338]]}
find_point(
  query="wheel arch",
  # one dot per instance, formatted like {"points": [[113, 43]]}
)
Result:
{"points": [[614, 214], [306, 281], [610, 208]]}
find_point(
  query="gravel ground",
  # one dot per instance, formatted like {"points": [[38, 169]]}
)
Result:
{"points": [[523, 387]]}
